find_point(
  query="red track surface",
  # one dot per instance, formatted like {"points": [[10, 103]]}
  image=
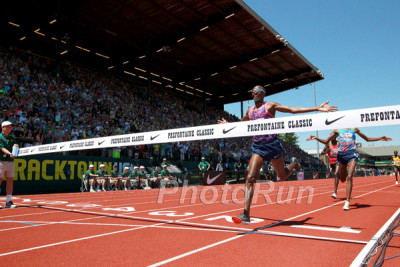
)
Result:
{"points": [[122, 228]]}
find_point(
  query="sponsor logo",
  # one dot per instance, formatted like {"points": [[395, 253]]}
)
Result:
{"points": [[32, 150], [332, 121], [154, 137], [210, 181], [102, 142], [227, 131], [62, 146]]}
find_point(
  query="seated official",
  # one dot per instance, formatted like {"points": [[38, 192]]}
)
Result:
{"points": [[134, 178], [155, 178], [91, 176], [125, 175], [166, 177], [105, 179], [142, 177], [115, 177]]}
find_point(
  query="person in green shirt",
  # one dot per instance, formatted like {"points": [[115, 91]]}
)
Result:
{"points": [[203, 167], [125, 178], [91, 176], [134, 177], [7, 141], [154, 178], [105, 179], [142, 177], [166, 177], [115, 178]]}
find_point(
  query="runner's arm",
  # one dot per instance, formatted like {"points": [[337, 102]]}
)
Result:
{"points": [[324, 107], [371, 139], [332, 136]]}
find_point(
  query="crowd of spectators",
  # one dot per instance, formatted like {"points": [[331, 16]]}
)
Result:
{"points": [[49, 101]]}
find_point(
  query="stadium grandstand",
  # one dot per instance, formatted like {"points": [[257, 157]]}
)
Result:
{"points": [[74, 72]]}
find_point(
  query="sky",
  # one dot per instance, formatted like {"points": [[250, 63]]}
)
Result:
{"points": [[355, 44]]}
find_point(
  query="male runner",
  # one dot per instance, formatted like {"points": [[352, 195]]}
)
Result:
{"points": [[396, 165], [331, 149], [268, 147], [348, 156]]}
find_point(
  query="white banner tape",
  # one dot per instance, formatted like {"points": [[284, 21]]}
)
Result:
{"points": [[379, 116]]}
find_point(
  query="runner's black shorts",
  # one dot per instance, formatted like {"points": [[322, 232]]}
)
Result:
{"points": [[268, 150]]}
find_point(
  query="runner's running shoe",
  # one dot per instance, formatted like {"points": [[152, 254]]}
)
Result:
{"points": [[346, 205], [333, 195], [242, 218], [10, 205]]}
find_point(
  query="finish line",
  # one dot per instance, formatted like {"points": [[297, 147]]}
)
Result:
{"points": [[370, 117]]}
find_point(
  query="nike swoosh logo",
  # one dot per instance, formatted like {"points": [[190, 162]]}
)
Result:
{"points": [[227, 131], [32, 150], [330, 122], [210, 181], [62, 146], [101, 142], [154, 137]]}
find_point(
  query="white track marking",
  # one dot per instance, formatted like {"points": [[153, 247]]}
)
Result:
{"points": [[195, 251], [72, 240], [331, 229]]}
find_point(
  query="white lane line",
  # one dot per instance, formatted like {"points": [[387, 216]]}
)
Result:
{"points": [[30, 226], [331, 229], [72, 240], [195, 251], [78, 223], [29, 214]]}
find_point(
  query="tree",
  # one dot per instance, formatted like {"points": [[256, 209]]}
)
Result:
{"points": [[289, 138]]}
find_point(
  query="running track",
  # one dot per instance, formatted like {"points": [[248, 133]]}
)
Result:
{"points": [[121, 228]]}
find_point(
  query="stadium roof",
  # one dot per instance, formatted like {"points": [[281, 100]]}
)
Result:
{"points": [[214, 49], [378, 151]]}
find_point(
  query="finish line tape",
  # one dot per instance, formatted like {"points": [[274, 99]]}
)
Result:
{"points": [[379, 116]]}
